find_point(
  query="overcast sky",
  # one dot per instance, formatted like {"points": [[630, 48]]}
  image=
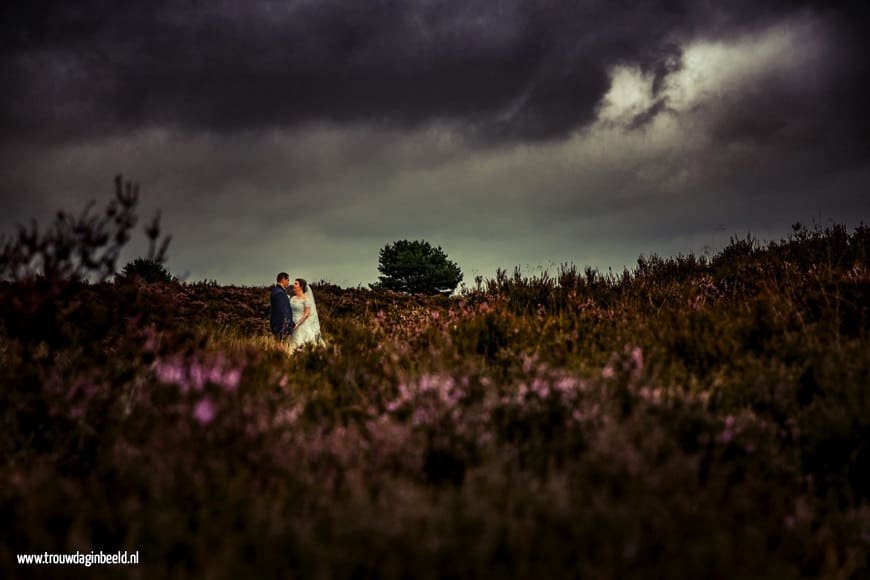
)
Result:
{"points": [[306, 135]]}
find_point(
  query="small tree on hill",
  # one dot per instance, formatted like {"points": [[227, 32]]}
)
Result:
{"points": [[418, 268], [148, 270]]}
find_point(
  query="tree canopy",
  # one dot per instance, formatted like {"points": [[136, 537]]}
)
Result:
{"points": [[148, 270], [418, 268]]}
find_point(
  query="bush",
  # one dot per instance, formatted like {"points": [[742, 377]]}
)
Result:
{"points": [[147, 270], [45, 273], [73, 248], [418, 268]]}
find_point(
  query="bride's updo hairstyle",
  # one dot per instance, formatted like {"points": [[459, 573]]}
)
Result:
{"points": [[303, 284]]}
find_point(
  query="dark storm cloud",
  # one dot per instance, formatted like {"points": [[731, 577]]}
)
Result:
{"points": [[308, 134], [505, 70], [820, 107]]}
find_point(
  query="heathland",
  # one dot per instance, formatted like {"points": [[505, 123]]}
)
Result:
{"points": [[695, 417]]}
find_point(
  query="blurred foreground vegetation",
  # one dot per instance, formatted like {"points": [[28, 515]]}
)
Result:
{"points": [[692, 418]]}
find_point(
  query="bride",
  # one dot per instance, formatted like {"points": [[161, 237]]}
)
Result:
{"points": [[307, 324]]}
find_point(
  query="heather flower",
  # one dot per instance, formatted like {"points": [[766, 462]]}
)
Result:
{"points": [[231, 379], [568, 386], [204, 411], [522, 390], [286, 417], [729, 431], [216, 374], [651, 395], [421, 416], [581, 416], [430, 397], [565, 384], [150, 344], [172, 373], [541, 388], [528, 364], [637, 358], [197, 375]]}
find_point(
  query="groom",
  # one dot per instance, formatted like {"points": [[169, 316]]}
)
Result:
{"points": [[281, 319]]}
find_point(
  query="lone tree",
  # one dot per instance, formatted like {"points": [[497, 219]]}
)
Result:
{"points": [[146, 269], [418, 268]]}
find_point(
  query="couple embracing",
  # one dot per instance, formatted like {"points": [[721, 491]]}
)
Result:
{"points": [[294, 316]]}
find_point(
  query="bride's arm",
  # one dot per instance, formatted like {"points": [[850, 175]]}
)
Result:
{"points": [[304, 316]]}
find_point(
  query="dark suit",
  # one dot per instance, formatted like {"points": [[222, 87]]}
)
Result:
{"points": [[282, 317]]}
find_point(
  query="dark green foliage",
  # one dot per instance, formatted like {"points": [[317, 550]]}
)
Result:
{"points": [[146, 270], [418, 268]]}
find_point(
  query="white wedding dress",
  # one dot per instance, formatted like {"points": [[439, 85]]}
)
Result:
{"points": [[309, 330]]}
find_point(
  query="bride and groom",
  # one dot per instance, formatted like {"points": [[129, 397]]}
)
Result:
{"points": [[294, 316]]}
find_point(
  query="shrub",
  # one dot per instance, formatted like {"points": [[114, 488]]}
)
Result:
{"points": [[73, 248], [418, 268], [44, 271], [146, 270]]}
